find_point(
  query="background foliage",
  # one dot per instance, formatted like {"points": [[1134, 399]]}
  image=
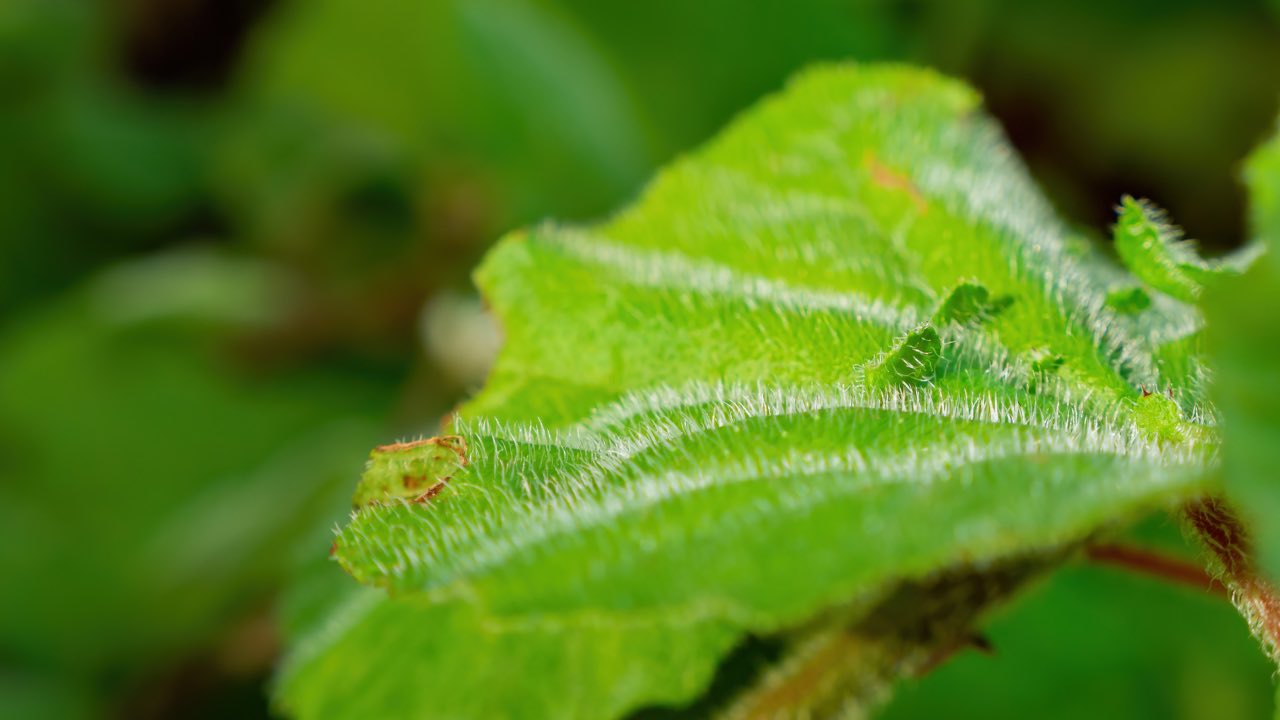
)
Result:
{"points": [[233, 236]]}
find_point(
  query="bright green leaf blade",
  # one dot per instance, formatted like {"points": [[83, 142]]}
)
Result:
{"points": [[786, 477], [726, 403], [1156, 253], [411, 658]]}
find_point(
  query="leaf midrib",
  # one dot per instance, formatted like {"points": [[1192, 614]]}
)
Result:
{"points": [[598, 494]]}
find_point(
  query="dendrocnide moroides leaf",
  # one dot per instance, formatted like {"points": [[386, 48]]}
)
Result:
{"points": [[1154, 250], [751, 410]]}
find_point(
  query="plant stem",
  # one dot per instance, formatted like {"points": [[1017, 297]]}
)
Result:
{"points": [[1157, 565], [1232, 549]]}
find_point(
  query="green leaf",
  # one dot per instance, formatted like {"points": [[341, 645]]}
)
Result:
{"points": [[1244, 340], [413, 471], [1155, 252], [726, 462], [1129, 300], [911, 361], [971, 303], [413, 658]]}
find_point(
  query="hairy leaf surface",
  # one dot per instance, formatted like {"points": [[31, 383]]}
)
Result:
{"points": [[834, 385], [1155, 251]]}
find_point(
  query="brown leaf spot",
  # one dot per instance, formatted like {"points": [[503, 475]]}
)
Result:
{"points": [[887, 177], [402, 446], [433, 490], [453, 443]]}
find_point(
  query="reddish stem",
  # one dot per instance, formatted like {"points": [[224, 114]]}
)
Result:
{"points": [[1157, 565], [1228, 539]]}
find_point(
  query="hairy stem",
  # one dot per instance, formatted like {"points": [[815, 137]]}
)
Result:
{"points": [[1231, 548]]}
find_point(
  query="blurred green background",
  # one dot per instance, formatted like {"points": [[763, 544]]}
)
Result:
{"points": [[235, 238]]}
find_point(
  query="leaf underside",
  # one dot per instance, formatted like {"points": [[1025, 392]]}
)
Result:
{"points": [[834, 385]]}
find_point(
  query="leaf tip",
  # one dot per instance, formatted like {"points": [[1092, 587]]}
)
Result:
{"points": [[911, 360], [417, 470]]}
